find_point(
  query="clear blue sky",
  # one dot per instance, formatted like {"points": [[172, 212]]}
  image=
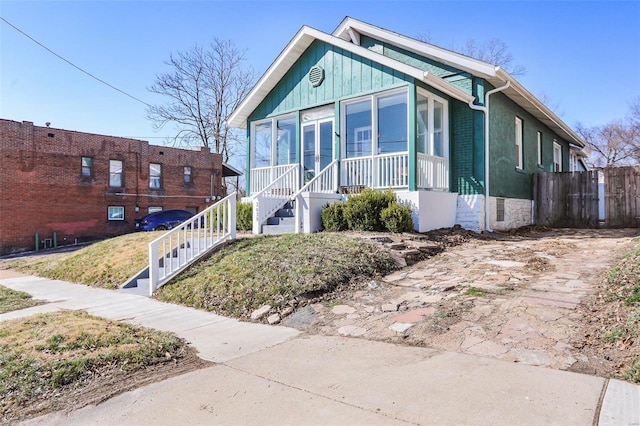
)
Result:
{"points": [[585, 56]]}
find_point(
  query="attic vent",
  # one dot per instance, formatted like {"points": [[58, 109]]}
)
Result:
{"points": [[316, 76]]}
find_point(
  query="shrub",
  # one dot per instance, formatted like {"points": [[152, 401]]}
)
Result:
{"points": [[363, 212], [333, 217], [244, 216], [397, 218]]}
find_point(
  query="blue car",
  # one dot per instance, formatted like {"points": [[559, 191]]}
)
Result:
{"points": [[162, 220]]}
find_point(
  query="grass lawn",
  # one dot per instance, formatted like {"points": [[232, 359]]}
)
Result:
{"points": [[274, 270], [47, 355], [12, 300], [107, 264]]}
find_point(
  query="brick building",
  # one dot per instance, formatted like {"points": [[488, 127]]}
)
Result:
{"points": [[70, 186]]}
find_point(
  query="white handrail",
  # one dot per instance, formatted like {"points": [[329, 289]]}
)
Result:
{"points": [[325, 181], [172, 252], [274, 196]]}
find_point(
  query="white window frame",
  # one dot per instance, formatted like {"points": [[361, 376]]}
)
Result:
{"points": [[187, 171], [112, 209], [557, 157], [373, 99], [431, 99], [519, 127], [153, 209], [154, 178], [273, 154], [539, 148], [112, 173]]}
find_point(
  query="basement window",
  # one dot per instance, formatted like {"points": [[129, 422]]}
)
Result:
{"points": [[116, 213], [499, 209]]}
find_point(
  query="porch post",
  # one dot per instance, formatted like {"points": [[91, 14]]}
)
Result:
{"points": [[337, 144], [248, 172], [411, 139]]}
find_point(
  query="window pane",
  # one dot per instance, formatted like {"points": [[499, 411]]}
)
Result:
{"points": [[87, 165], [116, 213], [422, 119], [115, 173], [287, 142], [358, 126], [187, 174], [438, 140], [155, 171], [309, 147], [392, 123], [262, 145]]}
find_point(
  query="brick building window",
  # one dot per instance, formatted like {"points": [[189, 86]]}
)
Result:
{"points": [[155, 175], [115, 173], [187, 175], [116, 213], [154, 209], [86, 167]]}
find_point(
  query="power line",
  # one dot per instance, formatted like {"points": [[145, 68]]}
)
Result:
{"points": [[71, 63]]}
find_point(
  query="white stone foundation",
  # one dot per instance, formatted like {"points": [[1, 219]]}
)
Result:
{"points": [[517, 213]]}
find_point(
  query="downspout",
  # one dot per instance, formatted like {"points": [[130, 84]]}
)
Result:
{"points": [[485, 110]]}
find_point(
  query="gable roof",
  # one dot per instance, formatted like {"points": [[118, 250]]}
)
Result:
{"points": [[296, 47], [347, 37]]}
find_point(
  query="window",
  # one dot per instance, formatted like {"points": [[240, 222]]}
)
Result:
{"points": [[155, 175], [431, 119], [358, 125], [519, 163], [86, 166], [187, 175], [116, 213], [557, 157], [115, 173], [539, 148], [392, 123], [154, 209], [266, 153]]}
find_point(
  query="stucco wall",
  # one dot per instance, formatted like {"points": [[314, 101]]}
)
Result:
{"points": [[517, 213], [470, 212], [430, 209]]}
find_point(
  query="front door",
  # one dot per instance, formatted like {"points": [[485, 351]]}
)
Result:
{"points": [[317, 147]]}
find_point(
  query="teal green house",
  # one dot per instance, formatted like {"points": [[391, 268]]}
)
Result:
{"points": [[457, 139]]}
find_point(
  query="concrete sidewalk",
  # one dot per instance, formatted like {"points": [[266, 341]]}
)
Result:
{"points": [[273, 375]]}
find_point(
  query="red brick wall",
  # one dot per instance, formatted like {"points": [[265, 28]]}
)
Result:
{"points": [[42, 189]]}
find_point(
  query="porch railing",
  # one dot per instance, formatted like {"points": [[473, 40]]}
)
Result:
{"points": [[181, 246], [433, 172], [381, 171], [261, 177], [274, 196], [325, 181]]}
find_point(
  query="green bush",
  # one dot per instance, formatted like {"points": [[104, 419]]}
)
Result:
{"points": [[363, 211], [397, 218], [244, 216], [333, 217]]}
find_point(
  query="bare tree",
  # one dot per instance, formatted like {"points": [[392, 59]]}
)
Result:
{"points": [[203, 88], [614, 144], [494, 51]]}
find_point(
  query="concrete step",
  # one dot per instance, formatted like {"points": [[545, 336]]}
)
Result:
{"points": [[278, 229], [281, 221]]}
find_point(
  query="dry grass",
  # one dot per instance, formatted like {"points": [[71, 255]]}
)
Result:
{"points": [[12, 300], [47, 355]]}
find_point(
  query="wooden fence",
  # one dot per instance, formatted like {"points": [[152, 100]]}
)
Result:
{"points": [[622, 197], [566, 200], [570, 199]]}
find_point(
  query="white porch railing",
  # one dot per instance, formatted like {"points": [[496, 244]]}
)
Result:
{"points": [[274, 196], [263, 176], [181, 246], [325, 181], [433, 172], [381, 171]]}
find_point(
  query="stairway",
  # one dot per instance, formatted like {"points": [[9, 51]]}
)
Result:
{"points": [[283, 222]]}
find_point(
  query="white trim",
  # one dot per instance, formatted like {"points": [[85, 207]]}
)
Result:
{"points": [[301, 41], [430, 146], [557, 148], [109, 208], [539, 147]]}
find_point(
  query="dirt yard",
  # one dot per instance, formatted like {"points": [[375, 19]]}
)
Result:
{"points": [[525, 297]]}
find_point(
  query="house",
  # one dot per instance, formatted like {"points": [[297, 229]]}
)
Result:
{"points": [[61, 187], [456, 138]]}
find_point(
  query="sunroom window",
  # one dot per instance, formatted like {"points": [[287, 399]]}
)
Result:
{"points": [[432, 125], [266, 153], [389, 117]]}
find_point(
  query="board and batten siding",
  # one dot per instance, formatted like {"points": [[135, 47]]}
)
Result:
{"points": [[345, 75]]}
